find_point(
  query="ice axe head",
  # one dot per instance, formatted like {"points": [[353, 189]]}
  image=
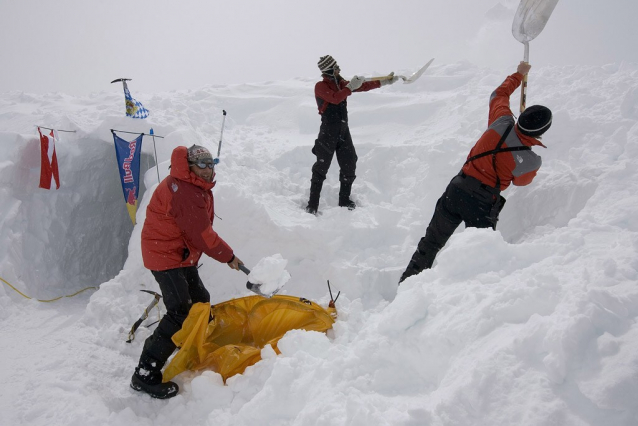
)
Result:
{"points": [[157, 295]]}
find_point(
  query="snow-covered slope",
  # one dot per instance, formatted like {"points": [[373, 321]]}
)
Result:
{"points": [[533, 324]]}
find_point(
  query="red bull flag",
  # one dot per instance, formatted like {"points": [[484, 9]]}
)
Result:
{"points": [[48, 160], [128, 163]]}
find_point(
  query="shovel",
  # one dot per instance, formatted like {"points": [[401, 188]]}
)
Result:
{"points": [[406, 80], [530, 19], [255, 288]]}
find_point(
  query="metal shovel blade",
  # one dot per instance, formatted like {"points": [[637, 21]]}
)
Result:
{"points": [[406, 80], [416, 75], [255, 288], [530, 19]]}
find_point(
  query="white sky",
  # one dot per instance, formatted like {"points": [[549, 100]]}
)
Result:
{"points": [[78, 47]]}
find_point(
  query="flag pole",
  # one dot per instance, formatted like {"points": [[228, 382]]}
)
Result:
{"points": [[57, 130], [155, 150]]}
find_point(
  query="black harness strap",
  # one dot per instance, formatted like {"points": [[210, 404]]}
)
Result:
{"points": [[496, 150]]}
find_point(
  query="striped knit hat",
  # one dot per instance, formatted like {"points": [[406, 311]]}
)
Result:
{"points": [[198, 153], [535, 121], [326, 64]]}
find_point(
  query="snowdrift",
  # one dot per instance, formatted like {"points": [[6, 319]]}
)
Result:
{"points": [[532, 324]]}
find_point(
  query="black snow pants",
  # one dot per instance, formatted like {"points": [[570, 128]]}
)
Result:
{"points": [[334, 138], [465, 199], [181, 287]]}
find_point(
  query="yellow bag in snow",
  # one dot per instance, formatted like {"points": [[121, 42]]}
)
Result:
{"points": [[239, 328]]}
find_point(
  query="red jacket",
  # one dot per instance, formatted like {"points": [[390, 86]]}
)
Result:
{"points": [[331, 99], [179, 218], [517, 167]]}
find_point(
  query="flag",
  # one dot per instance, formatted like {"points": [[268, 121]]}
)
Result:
{"points": [[128, 162], [48, 161], [134, 108]]}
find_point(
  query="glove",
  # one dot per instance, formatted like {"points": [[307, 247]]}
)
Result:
{"points": [[389, 81], [355, 83]]}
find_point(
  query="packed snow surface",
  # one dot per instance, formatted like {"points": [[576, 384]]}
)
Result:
{"points": [[534, 324]]}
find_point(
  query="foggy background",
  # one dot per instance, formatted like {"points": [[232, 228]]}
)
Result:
{"points": [[79, 46]]}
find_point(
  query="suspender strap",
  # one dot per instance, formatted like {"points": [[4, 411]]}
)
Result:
{"points": [[498, 147], [496, 150], [493, 151]]}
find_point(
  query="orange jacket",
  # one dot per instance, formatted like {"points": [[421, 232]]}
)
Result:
{"points": [[517, 167], [179, 218]]}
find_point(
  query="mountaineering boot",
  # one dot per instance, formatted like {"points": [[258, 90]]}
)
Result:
{"points": [[420, 260], [150, 381], [315, 192], [312, 208], [347, 202], [344, 195], [412, 269]]}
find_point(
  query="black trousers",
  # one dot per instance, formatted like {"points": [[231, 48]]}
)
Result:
{"points": [[465, 200], [334, 138], [181, 287]]}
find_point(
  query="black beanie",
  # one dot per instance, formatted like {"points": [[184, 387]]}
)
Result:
{"points": [[535, 121]]}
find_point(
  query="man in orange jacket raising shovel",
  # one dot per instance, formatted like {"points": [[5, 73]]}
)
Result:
{"points": [[501, 156]]}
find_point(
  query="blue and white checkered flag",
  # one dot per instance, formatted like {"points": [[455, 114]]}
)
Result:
{"points": [[134, 108]]}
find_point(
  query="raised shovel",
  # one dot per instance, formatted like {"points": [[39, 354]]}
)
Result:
{"points": [[530, 19], [406, 80]]}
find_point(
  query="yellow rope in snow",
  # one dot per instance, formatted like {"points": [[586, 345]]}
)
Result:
{"points": [[41, 300]]}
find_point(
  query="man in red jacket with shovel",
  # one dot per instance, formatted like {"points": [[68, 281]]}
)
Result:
{"points": [[501, 156], [177, 231], [334, 134]]}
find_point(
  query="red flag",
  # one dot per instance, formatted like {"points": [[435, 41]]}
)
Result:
{"points": [[49, 161]]}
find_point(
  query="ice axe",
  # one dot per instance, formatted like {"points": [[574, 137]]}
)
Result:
{"points": [[219, 147], [156, 299], [530, 19], [406, 80], [255, 288]]}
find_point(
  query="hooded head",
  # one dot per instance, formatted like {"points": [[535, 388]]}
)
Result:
{"points": [[534, 121]]}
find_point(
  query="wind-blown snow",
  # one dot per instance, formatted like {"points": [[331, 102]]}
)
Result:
{"points": [[534, 324]]}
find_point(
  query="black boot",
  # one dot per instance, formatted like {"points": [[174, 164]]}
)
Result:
{"points": [[344, 195], [412, 269], [347, 202], [150, 382], [315, 192], [420, 261], [148, 373]]}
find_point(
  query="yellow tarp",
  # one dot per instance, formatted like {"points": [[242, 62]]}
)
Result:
{"points": [[239, 328]]}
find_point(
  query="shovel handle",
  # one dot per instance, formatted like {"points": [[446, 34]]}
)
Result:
{"points": [[250, 286], [523, 93], [382, 78]]}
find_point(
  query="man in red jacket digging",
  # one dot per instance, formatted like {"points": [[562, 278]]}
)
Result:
{"points": [[177, 231], [501, 156]]}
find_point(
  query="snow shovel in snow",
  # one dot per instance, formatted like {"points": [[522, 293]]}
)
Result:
{"points": [[406, 80], [255, 288], [530, 19]]}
